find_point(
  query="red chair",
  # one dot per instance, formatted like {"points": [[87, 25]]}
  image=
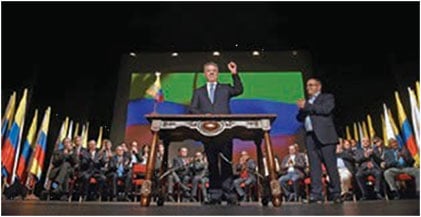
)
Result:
{"points": [[138, 177], [402, 179]]}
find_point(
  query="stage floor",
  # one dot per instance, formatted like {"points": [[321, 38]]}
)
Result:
{"points": [[401, 207]]}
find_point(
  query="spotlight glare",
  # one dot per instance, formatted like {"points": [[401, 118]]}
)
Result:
{"points": [[132, 54], [174, 54], [216, 53], [256, 53]]}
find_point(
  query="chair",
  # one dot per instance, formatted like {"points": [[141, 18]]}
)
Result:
{"points": [[138, 177], [402, 180], [371, 180]]}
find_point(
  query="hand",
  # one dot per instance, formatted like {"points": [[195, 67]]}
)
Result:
{"points": [[369, 165], [232, 67], [383, 165], [301, 103]]}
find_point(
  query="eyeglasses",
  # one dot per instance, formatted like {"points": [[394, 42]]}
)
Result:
{"points": [[310, 85]]}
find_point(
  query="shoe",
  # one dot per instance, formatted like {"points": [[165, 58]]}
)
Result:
{"points": [[338, 200], [211, 202], [395, 195], [171, 199], [63, 198], [379, 196], [292, 198], [363, 198], [193, 199]]}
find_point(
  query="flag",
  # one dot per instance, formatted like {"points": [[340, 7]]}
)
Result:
{"points": [[85, 136], [395, 129], [390, 126], [355, 132], [62, 134], [384, 131], [6, 121], [415, 116], [417, 88], [76, 133], [37, 162], [348, 133], [406, 129], [99, 141], [11, 147], [69, 133], [360, 134], [371, 131], [27, 149], [155, 90], [364, 128]]}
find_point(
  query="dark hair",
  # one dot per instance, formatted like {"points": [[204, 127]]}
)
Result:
{"points": [[316, 79]]}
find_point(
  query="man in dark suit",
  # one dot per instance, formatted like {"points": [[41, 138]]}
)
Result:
{"points": [[292, 166], [63, 162], [92, 165], [246, 168], [180, 175], [367, 162], [119, 169], [397, 161], [214, 98], [321, 139]]}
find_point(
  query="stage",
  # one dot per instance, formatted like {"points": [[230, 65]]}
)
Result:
{"points": [[401, 207]]}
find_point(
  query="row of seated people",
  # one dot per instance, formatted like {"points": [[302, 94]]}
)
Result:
{"points": [[371, 163], [103, 166], [191, 175]]}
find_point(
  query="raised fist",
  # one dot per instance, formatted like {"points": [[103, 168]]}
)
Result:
{"points": [[232, 67]]}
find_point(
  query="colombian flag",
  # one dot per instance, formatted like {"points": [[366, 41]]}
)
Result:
{"points": [[155, 90], [7, 119], [38, 159], [62, 134], [10, 148], [406, 129], [27, 149]]}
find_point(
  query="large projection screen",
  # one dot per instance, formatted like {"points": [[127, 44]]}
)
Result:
{"points": [[272, 84]]}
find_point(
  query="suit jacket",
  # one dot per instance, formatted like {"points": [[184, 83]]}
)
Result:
{"points": [[114, 164], [89, 164], [363, 161], [250, 167], [348, 158], [321, 116], [299, 166], [181, 169], [390, 160], [201, 103], [379, 154]]}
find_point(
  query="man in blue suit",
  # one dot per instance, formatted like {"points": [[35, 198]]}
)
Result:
{"points": [[321, 139], [214, 98]]}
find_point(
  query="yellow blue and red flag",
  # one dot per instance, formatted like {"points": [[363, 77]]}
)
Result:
{"points": [[7, 119], [406, 129], [38, 159], [27, 149], [11, 146], [155, 90]]}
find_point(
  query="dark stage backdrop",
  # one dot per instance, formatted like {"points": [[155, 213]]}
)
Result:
{"points": [[272, 84]]}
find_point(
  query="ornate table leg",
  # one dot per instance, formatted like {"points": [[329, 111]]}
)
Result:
{"points": [[274, 184], [164, 167], [146, 189]]}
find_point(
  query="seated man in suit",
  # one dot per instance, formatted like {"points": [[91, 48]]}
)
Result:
{"points": [[397, 161], [346, 167], [63, 162], [247, 169], [119, 169], [92, 166], [367, 166], [180, 175], [214, 98], [293, 166], [199, 171]]}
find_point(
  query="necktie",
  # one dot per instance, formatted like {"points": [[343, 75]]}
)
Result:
{"points": [[212, 92]]}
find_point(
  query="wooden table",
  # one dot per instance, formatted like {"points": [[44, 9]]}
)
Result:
{"points": [[170, 128]]}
